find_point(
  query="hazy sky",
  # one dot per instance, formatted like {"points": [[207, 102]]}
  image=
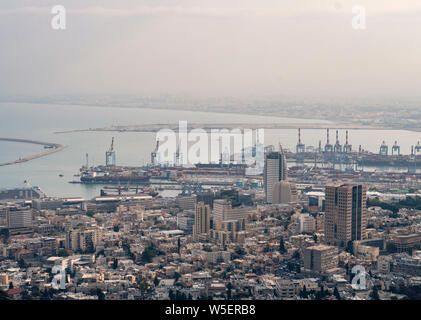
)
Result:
{"points": [[211, 47]]}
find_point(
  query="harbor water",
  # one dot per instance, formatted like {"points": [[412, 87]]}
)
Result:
{"points": [[53, 172]]}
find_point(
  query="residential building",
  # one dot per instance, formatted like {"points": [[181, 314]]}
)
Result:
{"points": [[201, 225], [320, 258]]}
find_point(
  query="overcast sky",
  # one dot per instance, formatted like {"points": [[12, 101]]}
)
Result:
{"points": [[211, 47]]}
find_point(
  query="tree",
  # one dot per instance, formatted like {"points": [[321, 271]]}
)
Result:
{"points": [[63, 253], [240, 251], [100, 294], [374, 295], [156, 281], [229, 290], [90, 213], [315, 238], [4, 233], [115, 263], [350, 247], [21, 263], [336, 294], [3, 295], [35, 291], [100, 253], [282, 249], [26, 296], [304, 293], [207, 249], [149, 253], [10, 285], [143, 286], [290, 266], [322, 291], [171, 294], [180, 295], [127, 250]]}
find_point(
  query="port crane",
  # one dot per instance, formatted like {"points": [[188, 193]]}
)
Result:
{"points": [[337, 148], [417, 148], [396, 149], [154, 153], [110, 155], [383, 149], [347, 147], [300, 148], [328, 153], [177, 161]]}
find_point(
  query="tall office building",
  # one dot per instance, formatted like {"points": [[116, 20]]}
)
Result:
{"points": [[345, 213], [275, 170], [201, 225]]}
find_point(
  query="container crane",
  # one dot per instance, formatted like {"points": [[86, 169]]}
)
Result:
{"points": [[110, 155], [154, 153]]}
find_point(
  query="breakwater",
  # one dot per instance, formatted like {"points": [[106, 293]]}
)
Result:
{"points": [[53, 147]]}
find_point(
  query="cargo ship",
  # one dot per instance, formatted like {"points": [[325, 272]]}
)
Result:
{"points": [[114, 176]]}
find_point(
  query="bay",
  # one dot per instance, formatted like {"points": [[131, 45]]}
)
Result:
{"points": [[40, 122]]}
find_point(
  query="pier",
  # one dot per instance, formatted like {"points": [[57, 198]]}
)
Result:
{"points": [[54, 148]]}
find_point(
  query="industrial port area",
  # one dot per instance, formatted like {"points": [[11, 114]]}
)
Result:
{"points": [[225, 233], [343, 156], [206, 159], [334, 161]]}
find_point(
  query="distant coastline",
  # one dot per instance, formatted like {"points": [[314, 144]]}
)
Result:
{"points": [[358, 116], [241, 126]]}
